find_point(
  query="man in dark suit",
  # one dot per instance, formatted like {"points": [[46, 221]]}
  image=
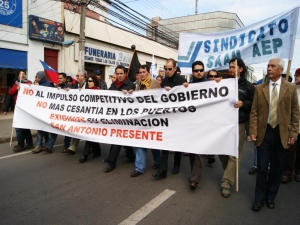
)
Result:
{"points": [[274, 124]]}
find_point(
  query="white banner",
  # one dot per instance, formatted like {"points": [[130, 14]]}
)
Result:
{"points": [[257, 43], [197, 119]]}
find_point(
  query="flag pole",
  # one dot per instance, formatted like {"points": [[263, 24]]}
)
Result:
{"points": [[237, 158], [288, 70], [130, 62]]}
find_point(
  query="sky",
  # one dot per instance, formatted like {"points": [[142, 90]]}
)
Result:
{"points": [[248, 11]]}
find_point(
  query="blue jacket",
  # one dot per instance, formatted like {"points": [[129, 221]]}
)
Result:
{"points": [[44, 82]]}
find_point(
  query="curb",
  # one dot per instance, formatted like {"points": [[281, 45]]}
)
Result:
{"points": [[7, 139]]}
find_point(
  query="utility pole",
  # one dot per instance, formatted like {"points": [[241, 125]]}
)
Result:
{"points": [[82, 35], [196, 12]]}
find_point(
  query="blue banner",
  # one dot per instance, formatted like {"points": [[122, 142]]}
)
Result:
{"points": [[11, 13]]}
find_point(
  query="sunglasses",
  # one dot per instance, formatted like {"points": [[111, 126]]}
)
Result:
{"points": [[69, 81], [90, 81], [166, 69], [196, 71], [213, 76]]}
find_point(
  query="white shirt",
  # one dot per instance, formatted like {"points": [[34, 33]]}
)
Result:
{"points": [[278, 82]]}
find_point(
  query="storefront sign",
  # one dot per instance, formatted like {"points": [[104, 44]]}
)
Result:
{"points": [[100, 55], [45, 30], [11, 13]]}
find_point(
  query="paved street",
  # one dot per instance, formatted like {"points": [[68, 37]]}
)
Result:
{"points": [[57, 189]]}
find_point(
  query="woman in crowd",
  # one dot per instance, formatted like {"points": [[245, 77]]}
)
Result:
{"points": [[159, 79], [93, 83]]}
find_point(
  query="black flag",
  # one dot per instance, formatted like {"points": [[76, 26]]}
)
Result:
{"points": [[134, 66]]}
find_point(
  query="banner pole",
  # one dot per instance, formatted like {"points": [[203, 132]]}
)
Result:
{"points": [[12, 132], [237, 158], [288, 70], [131, 62]]}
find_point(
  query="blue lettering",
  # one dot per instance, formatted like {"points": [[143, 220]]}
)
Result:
{"points": [[250, 39], [286, 25], [94, 52], [207, 46], [218, 61], [242, 37], [210, 62], [233, 42], [261, 34], [216, 41], [226, 59], [224, 44], [271, 26], [266, 48]]}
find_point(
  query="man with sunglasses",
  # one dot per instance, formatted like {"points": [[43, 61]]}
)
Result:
{"points": [[197, 160], [172, 79], [212, 75]]}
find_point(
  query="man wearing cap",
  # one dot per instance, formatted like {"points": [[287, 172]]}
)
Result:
{"points": [[103, 85], [292, 160], [274, 126], [41, 81]]}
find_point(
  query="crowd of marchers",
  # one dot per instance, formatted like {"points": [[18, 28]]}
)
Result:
{"points": [[268, 116]]}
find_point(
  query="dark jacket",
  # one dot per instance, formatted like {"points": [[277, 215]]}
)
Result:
{"points": [[173, 81], [127, 85], [9, 102], [246, 93], [195, 80], [45, 83], [64, 86], [103, 85]]}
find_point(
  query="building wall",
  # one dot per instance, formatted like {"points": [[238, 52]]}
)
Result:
{"points": [[199, 23], [17, 38], [71, 59]]}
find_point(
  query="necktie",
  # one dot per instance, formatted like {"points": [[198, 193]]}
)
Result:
{"points": [[274, 105]]}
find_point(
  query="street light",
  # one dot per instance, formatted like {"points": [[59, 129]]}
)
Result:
{"points": [[67, 43]]}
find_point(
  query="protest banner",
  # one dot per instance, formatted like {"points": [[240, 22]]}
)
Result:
{"points": [[256, 43], [197, 119]]}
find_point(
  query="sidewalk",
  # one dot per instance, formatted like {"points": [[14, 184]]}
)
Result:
{"points": [[6, 128]]}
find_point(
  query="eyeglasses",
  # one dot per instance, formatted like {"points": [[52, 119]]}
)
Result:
{"points": [[213, 76], [69, 81], [90, 81], [196, 71], [166, 69]]}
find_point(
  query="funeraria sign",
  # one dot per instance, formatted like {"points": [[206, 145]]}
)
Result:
{"points": [[100, 55]]}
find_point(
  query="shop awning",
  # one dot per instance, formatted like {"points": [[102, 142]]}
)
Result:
{"points": [[13, 59]]}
